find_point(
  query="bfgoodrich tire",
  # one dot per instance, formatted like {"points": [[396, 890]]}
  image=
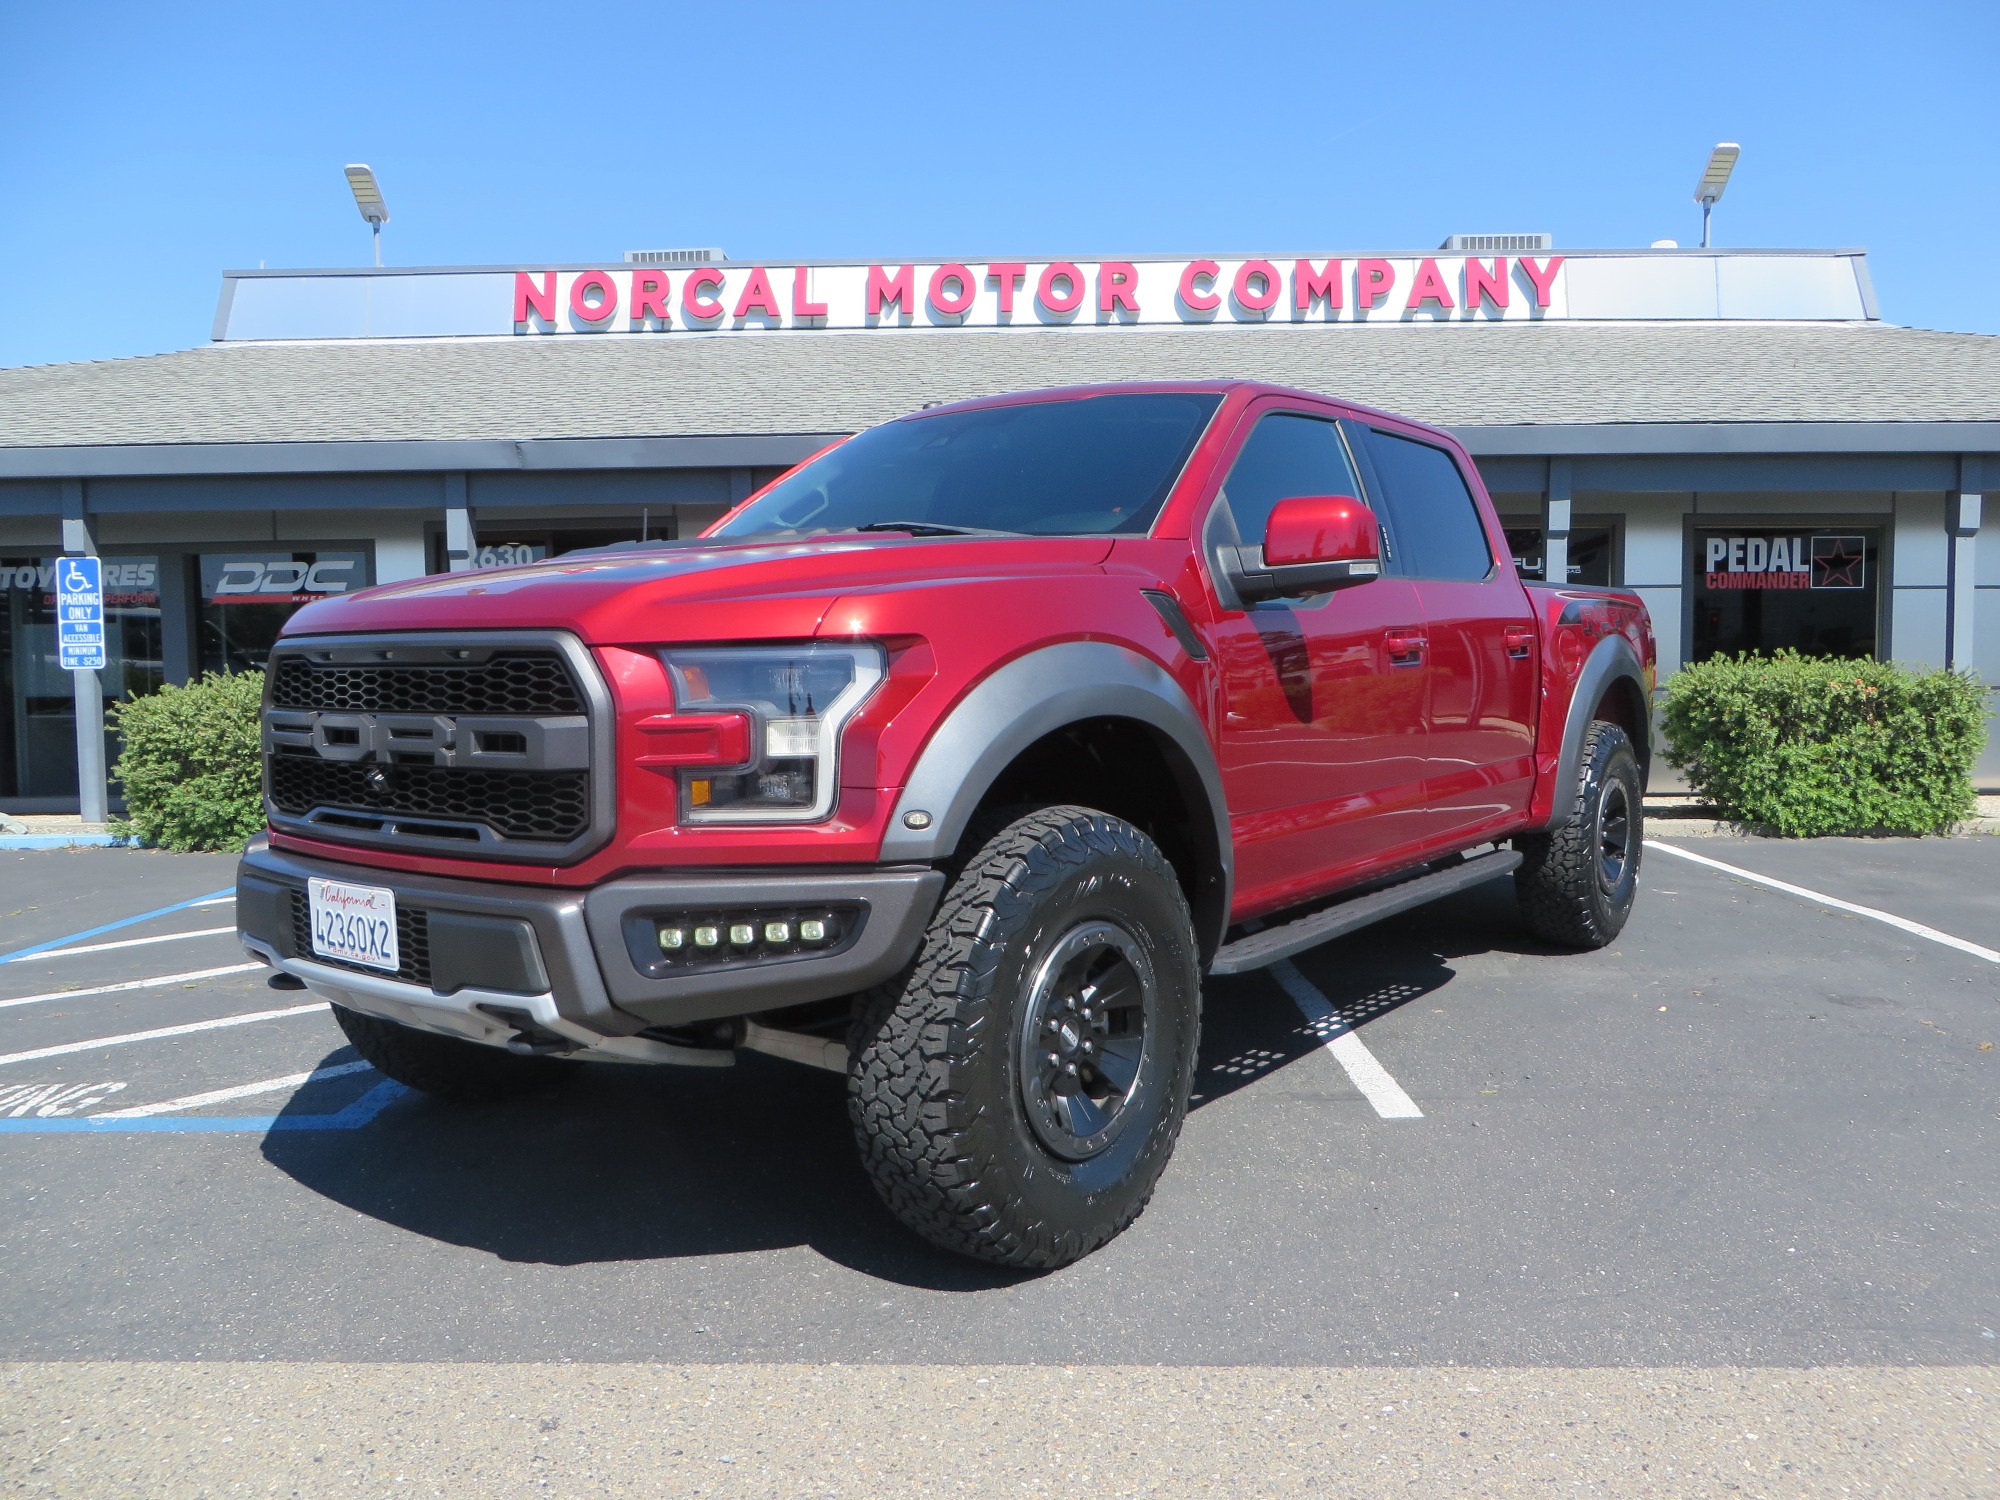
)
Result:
{"points": [[1576, 885], [444, 1066], [1017, 1095]]}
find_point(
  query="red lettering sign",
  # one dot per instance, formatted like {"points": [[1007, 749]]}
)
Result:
{"points": [[1005, 275], [1310, 286], [579, 296], [649, 295], [1060, 302], [1429, 287], [951, 304], [1200, 299], [1543, 277], [1115, 288], [757, 294], [884, 289], [694, 305], [540, 300], [1482, 285], [1372, 280], [802, 310], [1265, 297]]}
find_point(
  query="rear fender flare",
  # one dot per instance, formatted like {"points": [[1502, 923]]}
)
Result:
{"points": [[1033, 696], [1610, 661]]}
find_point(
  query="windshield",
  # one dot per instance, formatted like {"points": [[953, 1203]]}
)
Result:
{"points": [[1080, 467]]}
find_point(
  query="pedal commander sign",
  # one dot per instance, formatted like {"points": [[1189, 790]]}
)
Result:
{"points": [[1785, 562]]}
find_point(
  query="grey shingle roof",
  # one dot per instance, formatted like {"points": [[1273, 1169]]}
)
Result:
{"points": [[580, 387]]}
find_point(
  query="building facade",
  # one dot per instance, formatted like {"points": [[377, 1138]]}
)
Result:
{"points": [[1738, 435]]}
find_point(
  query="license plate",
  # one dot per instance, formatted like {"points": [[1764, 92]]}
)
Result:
{"points": [[356, 923]]}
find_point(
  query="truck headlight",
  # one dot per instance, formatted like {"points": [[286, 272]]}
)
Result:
{"points": [[798, 699]]}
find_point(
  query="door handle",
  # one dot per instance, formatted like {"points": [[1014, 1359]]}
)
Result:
{"points": [[1520, 641], [1406, 647]]}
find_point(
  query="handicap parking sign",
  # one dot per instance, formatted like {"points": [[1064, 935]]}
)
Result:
{"points": [[80, 613]]}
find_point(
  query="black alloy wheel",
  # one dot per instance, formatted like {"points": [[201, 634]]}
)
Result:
{"points": [[1083, 1039]]}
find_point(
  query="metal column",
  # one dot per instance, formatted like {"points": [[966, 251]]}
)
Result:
{"points": [[93, 798], [1555, 524], [1962, 516]]}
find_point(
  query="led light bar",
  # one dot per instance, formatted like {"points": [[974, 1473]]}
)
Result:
{"points": [[752, 935]]}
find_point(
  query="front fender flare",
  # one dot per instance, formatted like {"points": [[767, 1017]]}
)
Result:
{"points": [[1033, 696]]}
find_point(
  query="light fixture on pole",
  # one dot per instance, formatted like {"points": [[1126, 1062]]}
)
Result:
{"points": [[1714, 178], [368, 198]]}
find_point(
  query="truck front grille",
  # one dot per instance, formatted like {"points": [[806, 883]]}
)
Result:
{"points": [[475, 745]]}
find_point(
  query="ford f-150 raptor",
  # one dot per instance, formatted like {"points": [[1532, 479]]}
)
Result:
{"points": [[953, 759]]}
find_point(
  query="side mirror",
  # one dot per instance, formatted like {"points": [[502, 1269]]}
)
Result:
{"points": [[1313, 544]]}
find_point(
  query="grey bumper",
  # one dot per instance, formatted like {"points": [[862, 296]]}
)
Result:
{"points": [[572, 960]]}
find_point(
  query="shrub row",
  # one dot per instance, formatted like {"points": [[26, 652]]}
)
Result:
{"points": [[1810, 746], [190, 766]]}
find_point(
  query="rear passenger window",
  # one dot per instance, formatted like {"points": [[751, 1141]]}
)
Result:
{"points": [[1438, 531], [1286, 455]]}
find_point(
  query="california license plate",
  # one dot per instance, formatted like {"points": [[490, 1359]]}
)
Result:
{"points": [[355, 923]]}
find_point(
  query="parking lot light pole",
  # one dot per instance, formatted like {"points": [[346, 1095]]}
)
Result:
{"points": [[368, 198], [1714, 178]]}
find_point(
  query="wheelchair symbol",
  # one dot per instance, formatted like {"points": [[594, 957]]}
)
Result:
{"points": [[77, 579]]}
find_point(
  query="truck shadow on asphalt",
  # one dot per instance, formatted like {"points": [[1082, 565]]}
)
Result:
{"points": [[622, 1164]]}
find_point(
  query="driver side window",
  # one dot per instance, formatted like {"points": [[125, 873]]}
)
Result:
{"points": [[1287, 454]]}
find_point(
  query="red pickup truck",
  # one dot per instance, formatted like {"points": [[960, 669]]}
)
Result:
{"points": [[952, 760]]}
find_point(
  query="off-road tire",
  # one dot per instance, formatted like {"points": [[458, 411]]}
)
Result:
{"points": [[1566, 887], [443, 1066], [935, 1089]]}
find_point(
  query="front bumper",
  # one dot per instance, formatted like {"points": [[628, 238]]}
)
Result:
{"points": [[499, 963]]}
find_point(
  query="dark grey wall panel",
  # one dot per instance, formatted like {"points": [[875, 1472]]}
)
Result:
{"points": [[656, 487], [1767, 474], [269, 492], [30, 497]]}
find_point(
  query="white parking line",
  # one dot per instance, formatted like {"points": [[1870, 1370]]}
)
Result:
{"points": [[168, 937], [1904, 923], [1362, 1067], [241, 1091], [213, 901], [130, 984], [154, 1036]]}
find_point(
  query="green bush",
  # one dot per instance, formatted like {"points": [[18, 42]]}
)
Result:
{"points": [[190, 763], [1808, 746]]}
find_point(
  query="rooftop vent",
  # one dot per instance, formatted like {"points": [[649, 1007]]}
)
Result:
{"points": [[673, 257], [1490, 244]]}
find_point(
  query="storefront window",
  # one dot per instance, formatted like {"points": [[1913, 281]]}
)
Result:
{"points": [[1590, 554], [37, 697], [246, 597], [1814, 589]]}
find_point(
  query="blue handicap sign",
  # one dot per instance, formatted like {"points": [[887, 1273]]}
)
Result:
{"points": [[80, 613]]}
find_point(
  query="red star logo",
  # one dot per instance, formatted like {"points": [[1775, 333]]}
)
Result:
{"points": [[1837, 562]]}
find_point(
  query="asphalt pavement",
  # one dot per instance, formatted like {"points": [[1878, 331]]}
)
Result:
{"points": [[1753, 1141]]}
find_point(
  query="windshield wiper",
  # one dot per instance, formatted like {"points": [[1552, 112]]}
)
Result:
{"points": [[933, 528]]}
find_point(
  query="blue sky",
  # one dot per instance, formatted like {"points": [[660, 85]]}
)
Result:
{"points": [[145, 148]]}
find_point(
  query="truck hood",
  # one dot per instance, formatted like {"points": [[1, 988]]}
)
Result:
{"points": [[681, 592]]}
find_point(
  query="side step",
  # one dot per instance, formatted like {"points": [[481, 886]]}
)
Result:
{"points": [[1261, 948]]}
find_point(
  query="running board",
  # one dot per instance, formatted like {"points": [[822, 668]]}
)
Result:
{"points": [[1260, 949]]}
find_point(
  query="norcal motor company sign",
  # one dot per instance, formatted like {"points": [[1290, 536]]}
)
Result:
{"points": [[752, 297], [728, 295]]}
